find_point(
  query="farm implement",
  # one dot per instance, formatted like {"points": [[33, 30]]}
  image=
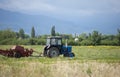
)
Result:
{"points": [[54, 47], [17, 52]]}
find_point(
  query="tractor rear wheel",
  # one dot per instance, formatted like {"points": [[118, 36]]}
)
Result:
{"points": [[53, 52]]}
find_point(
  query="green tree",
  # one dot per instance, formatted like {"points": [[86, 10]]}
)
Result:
{"points": [[53, 31], [33, 32], [7, 37], [82, 36], [21, 33], [95, 38], [27, 36], [118, 36], [57, 34], [17, 34], [6, 34]]}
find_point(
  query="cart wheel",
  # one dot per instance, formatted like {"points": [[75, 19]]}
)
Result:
{"points": [[17, 55]]}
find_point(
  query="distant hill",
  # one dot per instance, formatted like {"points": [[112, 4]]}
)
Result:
{"points": [[43, 24]]}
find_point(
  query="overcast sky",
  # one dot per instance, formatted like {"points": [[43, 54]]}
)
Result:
{"points": [[69, 10]]}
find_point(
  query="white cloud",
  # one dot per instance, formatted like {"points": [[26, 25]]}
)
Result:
{"points": [[62, 8]]}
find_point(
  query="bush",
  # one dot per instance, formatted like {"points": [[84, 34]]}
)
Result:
{"points": [[109, 42], [32, 41], [86, 42], [41, 42]]}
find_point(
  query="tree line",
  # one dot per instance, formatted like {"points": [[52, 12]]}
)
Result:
{"points": [[10, 37]]}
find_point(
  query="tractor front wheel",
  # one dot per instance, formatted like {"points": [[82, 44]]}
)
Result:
{"points": [[69, 55]]}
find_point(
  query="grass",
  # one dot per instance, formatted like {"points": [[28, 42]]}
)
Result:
{"points": [[97, 52], [83, 53], [90, 61]]}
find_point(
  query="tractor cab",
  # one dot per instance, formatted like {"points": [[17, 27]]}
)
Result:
{"points": [[54, 41], [54, 48]]}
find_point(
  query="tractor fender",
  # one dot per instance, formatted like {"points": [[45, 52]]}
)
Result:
{"points": [[46, 47]]}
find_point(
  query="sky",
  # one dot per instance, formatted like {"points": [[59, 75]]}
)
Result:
{"points": [[68, 16]]}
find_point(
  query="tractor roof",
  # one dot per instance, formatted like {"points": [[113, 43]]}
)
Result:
{"points": [[56, 37]]}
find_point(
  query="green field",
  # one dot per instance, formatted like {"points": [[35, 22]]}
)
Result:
{"points": [[99, 53], [90, 61]]}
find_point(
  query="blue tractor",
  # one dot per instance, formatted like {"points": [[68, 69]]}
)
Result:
{"points": [[54, 48]]}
